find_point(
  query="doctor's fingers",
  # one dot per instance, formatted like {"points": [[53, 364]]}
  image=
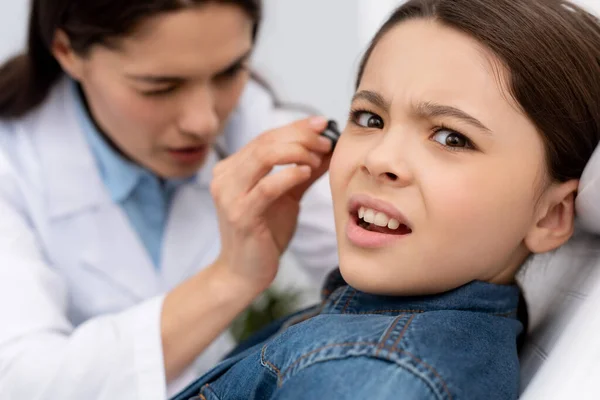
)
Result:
{"points": [[273, 187], [304, 132], [299, 190], [235, 180], [244, 215]]}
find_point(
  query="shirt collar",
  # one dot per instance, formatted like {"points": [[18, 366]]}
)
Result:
{"points": [[476, 296]]}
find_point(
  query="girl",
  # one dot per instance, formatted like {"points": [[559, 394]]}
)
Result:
{"points": [[470, 127]]}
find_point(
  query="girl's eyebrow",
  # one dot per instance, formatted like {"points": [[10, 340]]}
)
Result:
{"points": [[432, 110], [374, 98], [424, 109]]}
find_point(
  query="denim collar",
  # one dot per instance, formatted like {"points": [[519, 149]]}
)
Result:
{"points": [[476, 296]]}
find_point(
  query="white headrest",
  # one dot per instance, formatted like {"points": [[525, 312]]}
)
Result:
{"points": [[588, 199]]}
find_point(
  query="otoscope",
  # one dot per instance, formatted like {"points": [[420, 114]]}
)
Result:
{"points": [[332, 133]]}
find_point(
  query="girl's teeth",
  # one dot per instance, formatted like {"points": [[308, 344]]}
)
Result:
{"points": [[393, 224], [369, 216], [381, 220], [378, 218]]}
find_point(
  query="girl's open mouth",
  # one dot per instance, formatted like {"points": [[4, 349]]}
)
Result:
{"points": [[401, 229], [368, 228]]}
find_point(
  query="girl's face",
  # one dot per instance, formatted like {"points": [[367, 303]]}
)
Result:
{"points": [[436, 151], [165, 92]]}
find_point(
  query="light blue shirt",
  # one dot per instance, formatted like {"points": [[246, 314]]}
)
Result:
{"points": [[141, 194]]}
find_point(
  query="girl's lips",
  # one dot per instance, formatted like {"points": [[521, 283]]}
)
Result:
{"points": [[376, 238], [361, 237], [362, 200]]}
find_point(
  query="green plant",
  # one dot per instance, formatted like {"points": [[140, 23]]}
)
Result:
{"points": [[270, 306]]}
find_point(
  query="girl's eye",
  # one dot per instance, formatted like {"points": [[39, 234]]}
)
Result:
{"points": [[367, 120], [451, 139]]}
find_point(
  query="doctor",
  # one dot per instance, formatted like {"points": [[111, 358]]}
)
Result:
{"points": [[126, 246]]}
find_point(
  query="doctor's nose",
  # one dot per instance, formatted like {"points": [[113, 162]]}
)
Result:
{"points": [[199, 116]]}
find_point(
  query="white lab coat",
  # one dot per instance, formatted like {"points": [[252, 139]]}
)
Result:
{"points": [[80, 299]]}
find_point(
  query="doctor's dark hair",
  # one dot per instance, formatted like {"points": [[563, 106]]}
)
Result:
{"points": [[26, 79], [548, 60]]}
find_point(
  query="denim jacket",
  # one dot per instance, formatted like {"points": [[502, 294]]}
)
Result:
{"points": [[460, 344]]}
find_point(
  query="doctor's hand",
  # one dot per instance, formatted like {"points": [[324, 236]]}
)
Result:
{"points": [[257, 208], [258, 212]]}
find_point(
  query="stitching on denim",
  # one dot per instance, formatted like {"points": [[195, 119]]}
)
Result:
{"points": [[418, 360], [334, 302], [266, 362], [381, 345], [397, 342], [301, 318], [281, 376], [348, 302], [389, 311], [205, 387], [421, 376], [429, 367], [347, 344]]}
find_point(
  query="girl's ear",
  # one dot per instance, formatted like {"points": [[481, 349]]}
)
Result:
{"points": [[555, 220]]}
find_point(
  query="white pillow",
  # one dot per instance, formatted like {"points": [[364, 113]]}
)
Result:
{"points": [[561, 357], [588, 199]]}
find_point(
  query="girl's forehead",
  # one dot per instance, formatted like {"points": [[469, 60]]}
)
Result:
{"points": [[414, 46], [420, 60]]}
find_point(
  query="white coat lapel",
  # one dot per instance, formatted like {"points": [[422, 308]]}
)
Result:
{"points": [[80, 210], [114, 253]]}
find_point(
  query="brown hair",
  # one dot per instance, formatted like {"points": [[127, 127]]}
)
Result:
{"points": [[25, 80], [551, 50]]}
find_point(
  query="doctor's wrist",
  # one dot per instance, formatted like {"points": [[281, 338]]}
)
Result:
{"points": [[197, 311], [236, 284]]}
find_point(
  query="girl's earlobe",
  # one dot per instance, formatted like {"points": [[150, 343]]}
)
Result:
{"points": [[555, 224]]}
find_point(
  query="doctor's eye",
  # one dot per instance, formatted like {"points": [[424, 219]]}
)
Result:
{"points": [[232, 72], [159, 92], [452, 140], [366, 119]]}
